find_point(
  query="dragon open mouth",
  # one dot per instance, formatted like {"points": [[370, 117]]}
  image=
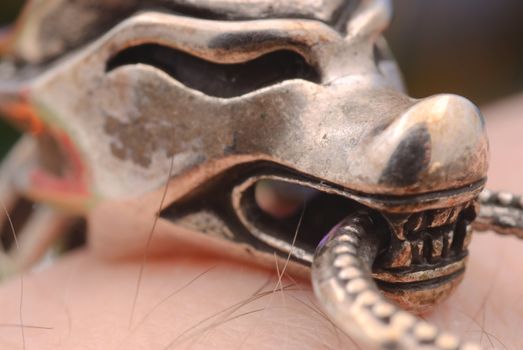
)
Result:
{"points": [[426, 256], [423, 253], [434, 240]]}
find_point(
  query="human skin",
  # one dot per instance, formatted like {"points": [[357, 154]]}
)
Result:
{"points": [[199, 300]]}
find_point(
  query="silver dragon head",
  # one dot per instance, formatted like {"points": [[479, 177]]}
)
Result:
{"points": [[257, 104]]}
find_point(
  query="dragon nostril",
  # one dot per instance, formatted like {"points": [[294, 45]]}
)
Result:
{"points": [[410, 158], [435, 144]]}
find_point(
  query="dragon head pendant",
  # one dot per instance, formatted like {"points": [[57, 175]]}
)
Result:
{"points": [[240, 101]]}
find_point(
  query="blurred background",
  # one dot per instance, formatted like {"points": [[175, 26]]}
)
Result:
{"points": [[472, 48]]}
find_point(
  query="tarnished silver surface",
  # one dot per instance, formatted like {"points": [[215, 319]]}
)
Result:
{"points": [[266, 109], [341, 277], [501, 212]]}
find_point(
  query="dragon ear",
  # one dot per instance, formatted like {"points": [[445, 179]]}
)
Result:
{"points": [[46, 29], [8, 28], [20, 40], [369, 20]]}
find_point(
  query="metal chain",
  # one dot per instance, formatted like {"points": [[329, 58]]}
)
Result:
{"points": [[342, 281], [501, 212]]}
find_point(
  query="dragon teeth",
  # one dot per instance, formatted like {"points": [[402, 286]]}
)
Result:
{"points": [[420, 239], [414, 223], [405, 225], [439, 217], [417, 251], [454, 213], [448, 238], [430, 219], [398, 230], [424, 249], [468, 237], [402, 257], [437, 248]]}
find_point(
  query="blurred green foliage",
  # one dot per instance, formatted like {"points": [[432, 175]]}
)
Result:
{"points": [[8, 137], [9, 9], [8, 12]]}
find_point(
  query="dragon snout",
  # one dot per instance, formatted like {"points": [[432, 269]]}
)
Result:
{"points": [[437, 144], [436, 148]]}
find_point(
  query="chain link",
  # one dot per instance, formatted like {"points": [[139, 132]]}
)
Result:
{"points": [[501, 212]]}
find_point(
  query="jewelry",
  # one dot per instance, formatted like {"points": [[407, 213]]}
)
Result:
{"points": [[254, 108]]}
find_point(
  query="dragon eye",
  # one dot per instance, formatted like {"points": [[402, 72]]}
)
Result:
{"points": [[216, 79]]}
